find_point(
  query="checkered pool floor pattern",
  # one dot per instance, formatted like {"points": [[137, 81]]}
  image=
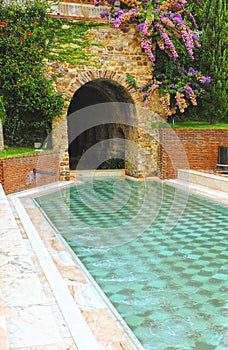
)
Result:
{"points": [[159, 255]]}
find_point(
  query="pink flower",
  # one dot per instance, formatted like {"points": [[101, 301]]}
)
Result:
{"points": [[191, 95], [180, 100], [146, 102], [3, 24], [165, 101], [169, 46], [145, 27], [147, 47], [187, 39], [205, 79]]}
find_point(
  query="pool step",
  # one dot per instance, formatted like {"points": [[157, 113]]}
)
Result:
{"points": [[212, 181], [201, 184], [79, 174]]}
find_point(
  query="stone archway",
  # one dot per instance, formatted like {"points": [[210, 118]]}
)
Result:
{"points": [[115, 55], [72, 79], [109, 154]]}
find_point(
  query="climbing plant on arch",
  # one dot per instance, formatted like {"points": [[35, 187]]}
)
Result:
{"points": [[168, 34]]}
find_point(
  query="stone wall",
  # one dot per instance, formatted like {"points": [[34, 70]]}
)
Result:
{"points": [[115, 54], [16, 173], [200, 149]]}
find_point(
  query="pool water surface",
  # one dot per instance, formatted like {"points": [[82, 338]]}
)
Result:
{"points": [[160, 256]]}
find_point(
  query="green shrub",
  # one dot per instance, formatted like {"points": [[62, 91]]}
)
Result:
{"points": [[30, 97]]}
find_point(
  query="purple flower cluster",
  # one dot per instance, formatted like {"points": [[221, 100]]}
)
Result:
{"points": [[147, 47], [145, 27], [145, 86], [169, 46], [116, 20], [192, 71], [105, 14], [196, 40], [167, 25], [177, 18], [190, 93], [133, 10], [140, 26], [205, 79], [189, 90], [187, 39]]}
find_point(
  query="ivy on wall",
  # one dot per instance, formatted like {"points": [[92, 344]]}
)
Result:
{"points": [[71, 40]]}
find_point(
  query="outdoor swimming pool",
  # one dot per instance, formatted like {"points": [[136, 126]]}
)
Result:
{"points": [[158, 254]]}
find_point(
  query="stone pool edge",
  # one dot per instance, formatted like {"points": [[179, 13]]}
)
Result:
{"points": [[127, 339]]}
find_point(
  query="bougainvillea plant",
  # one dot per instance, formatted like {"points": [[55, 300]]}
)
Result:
{"points": [[167, 29]]}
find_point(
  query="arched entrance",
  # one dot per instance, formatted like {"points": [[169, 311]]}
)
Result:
{"points": [[109, 155]]}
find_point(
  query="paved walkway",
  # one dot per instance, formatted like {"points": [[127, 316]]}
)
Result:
{"points": [[28, 314]]}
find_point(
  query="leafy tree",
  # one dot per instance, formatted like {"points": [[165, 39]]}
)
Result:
{"points": [[30, 98], [214, 59]]}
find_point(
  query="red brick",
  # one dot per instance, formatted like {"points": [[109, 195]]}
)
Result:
{"points": [[13, 171], [200, 146]]}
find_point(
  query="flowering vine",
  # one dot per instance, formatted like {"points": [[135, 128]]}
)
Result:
{"points": [[166, 26]]}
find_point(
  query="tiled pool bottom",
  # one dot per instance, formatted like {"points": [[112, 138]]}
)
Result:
{"points": [[169, 286]]}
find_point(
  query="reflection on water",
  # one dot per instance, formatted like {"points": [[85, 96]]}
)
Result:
{"points": [[170, 286]]}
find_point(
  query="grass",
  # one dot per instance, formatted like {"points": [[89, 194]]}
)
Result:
{"points": [[198, 125], [16, 151]]}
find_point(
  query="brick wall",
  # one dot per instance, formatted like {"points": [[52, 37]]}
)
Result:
{"points": [[1, 137], [16, 173], [189, 148], [1, 171]]}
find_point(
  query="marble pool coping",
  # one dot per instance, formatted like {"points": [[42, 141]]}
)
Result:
{"points": [[75, 314]]}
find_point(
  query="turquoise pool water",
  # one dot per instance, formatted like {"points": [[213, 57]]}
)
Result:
{"points": [[159, 255]]}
